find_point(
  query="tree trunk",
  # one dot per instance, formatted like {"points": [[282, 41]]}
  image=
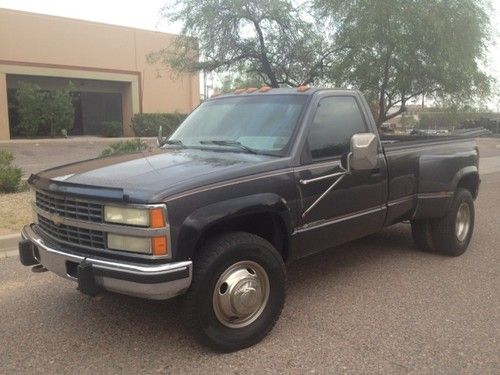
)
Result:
{"points": [[266, 65]]}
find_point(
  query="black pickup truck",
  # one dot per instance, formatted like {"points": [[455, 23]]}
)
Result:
{"points": [[249, 182]]}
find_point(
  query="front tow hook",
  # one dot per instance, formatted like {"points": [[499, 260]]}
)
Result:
{"points": [[39, 268]]}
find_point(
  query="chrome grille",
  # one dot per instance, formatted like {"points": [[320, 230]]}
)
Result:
{"points": [[70, 208], [73, 235]]}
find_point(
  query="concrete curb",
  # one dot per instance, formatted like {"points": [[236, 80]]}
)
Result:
{"points": [[8, 245]]}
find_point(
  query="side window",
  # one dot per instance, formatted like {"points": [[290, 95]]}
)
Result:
{"points": [[337, 119]]}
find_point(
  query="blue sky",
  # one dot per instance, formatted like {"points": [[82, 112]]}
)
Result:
{"points": [[144, 14]]}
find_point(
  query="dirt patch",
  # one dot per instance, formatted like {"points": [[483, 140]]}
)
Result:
{"points": [[15, 211]]}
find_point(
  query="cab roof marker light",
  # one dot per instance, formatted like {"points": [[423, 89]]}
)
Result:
{"points": [[303, 88], [265, 89], [239, 91], [251, 90]]}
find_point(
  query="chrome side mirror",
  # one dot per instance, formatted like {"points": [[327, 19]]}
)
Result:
{"points": [[364, 147]]}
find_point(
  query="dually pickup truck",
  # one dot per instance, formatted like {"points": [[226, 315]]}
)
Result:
{"points": [[249, 182]]}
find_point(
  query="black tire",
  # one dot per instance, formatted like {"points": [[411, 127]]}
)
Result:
{"points": [[422, 236], [444, 234], [217, 256]]}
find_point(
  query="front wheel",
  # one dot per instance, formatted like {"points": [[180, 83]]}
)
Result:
{"points": [[237, 293]]}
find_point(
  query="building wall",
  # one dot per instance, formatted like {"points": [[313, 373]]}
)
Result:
{"points": [[40, 45]]}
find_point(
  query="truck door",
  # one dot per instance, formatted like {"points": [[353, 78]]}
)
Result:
{"points": [[336, 211]]}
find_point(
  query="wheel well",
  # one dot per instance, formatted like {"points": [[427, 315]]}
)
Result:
{"points": [[266, 225], [470, 182]]}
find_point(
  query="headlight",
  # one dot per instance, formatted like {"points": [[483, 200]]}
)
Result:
{"points": [[129, 216], [128, 243]]}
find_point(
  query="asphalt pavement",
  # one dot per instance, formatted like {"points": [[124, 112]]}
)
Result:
{"points": [[377, 305]]}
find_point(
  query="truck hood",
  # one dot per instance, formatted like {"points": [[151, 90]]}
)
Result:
{"points": [[152, 174]]}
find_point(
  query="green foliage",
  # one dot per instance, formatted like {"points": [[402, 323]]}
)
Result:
{"points": [[30, 108], [124, 147], [111, 129], [271, 39], [58, 111], [240, 79], [10, 176], [46, 112], [397, 50], [147, 124]]}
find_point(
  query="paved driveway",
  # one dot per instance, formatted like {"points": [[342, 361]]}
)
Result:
{"points": [[374, 306]]}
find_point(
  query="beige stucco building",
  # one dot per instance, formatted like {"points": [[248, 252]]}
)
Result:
{"points": [[107, 65]]}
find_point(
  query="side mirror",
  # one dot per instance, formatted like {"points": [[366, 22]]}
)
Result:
{"points": [[364, 151]]}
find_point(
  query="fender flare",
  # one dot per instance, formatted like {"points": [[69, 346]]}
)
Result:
{"points": [[471, 170], [195, 225]]}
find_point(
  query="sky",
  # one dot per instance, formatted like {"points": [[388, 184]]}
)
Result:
{"points": [[144, 14]]}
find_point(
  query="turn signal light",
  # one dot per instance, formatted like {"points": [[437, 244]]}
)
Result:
{"points": [[157, 217], [159, 246]]}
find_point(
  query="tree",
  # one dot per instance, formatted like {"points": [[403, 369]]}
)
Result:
{"points": [[270, 39], [396, 51], [58, 111], [38, 109], [29, 102]]}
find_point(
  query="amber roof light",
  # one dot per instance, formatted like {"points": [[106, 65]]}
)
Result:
{"points": [[303, 88]]}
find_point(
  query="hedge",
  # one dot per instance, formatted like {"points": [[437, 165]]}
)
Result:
{"points": [[10, 176], [147, 124]]}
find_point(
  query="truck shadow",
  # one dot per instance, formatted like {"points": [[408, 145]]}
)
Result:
{"points": [[160, 322]]}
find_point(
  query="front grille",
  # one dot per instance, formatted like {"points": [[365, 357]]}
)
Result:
{"points": [[70, 208], [73, 235]]}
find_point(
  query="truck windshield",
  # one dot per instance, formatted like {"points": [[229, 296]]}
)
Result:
{"points": [[261, 124]]}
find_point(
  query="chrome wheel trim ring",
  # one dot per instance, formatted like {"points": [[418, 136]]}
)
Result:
{"points": [[462, 222], [241, 294]]}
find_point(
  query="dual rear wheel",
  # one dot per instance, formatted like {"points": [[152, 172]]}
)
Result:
{"points": [[450, 234]]}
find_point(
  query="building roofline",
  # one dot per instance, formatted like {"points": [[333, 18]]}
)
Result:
{"points": [[24, 12]]}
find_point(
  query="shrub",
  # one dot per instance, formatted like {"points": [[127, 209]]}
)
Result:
{"points": [[124, 147], [111, 129], [147, 124], [30, 101], [58, 111], [42, 111], [10, 176]]}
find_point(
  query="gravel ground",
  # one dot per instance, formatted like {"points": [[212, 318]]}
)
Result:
{"points": [[376, 305], [15, 211]]}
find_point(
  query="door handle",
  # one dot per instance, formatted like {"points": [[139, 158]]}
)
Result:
{"points": [[375, 172]]}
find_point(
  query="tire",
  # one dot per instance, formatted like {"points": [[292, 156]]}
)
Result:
{"points": [[227, 267], [422, 236], [451, 234]]}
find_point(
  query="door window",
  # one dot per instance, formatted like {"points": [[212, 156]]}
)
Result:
{"points": [[336, 120]]}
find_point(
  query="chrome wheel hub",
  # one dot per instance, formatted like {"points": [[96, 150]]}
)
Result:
{"points": [[462, 223], [241, 294]]}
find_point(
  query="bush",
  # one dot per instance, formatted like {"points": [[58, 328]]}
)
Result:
{"points": [[10, 176], [42, 111], [147, 124], [111, 129], [124, 147], [29, 100]]}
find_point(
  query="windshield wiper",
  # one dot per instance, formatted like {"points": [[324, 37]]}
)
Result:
{"points": [[229, 143], [177, 142]]}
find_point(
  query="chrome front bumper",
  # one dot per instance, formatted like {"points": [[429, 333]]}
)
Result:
{"points": [[161, 281]]}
